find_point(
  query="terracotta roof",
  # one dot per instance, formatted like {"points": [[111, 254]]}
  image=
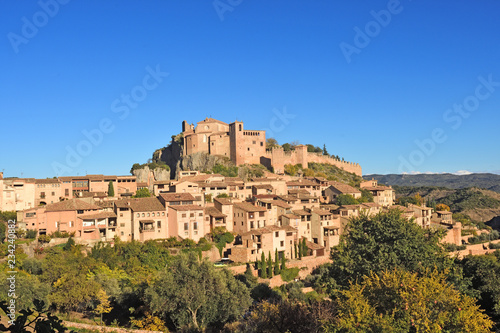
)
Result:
{"points": [[299, 191], [301, 182], [141, 204], [265, 196], [161, 182], [186, 207], [101, 215], [46, 181], [371, 204], [280, 203], [147, 221], [320, 211], [331, 227], [224, 201], [212, 184], [212, 120], [177, 197], [218, 133], [263, 230], [248, 207], [377, 188], [402, 208], [443, 212], [142, 184], [344, 188], [263, 187], [291, 216], [330, 207], [314, 246], [301, 212], [70, 205], [212, 211]]}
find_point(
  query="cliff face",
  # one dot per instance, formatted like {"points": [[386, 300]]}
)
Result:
{"points": [[147, 175], [171, 155]]}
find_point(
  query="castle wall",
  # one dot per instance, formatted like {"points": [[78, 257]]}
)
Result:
{"points": [[219, 145], [278, 158], [247, 147]]}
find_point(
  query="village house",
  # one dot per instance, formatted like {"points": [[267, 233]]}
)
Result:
{"points": [[265, 240], [304, 228], [248, 217], [187, 221], [335, 189], [325, 228], [422, 215], [382, 195]]}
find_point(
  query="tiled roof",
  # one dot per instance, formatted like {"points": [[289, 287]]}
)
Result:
{"points": [[212, 211], [263, 230], [263, 187], [371, 204], [344, 188], [70, 205], [141, 204], [224, 201], [314, 246], [320, 211], [101, 215], [212, 120], [291, 216], [301, 182], [177, 197], [186, 207], [443, 212], [46, 181], [301, 212], [248, 207]]}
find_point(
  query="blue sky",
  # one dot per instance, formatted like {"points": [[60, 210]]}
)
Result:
{"points": [[397, 86]]}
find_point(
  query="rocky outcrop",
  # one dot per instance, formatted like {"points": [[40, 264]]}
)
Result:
{"points": [[202, 162], [170, 155], [145, 174]]}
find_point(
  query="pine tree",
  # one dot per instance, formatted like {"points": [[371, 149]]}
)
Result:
{"points": [[325, 152], [111, 189]]}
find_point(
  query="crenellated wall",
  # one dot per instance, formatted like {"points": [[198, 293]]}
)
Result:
{"points": [[277, 158]]}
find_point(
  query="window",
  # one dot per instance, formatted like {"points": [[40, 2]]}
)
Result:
{"points": [[122, 225], [79, 211], [195, 225], [121, 233], [254, 142], [53, 193], [148, 214], [191, 215], [121, 214], [138, 214], [42, 195], [70, 224], [186, 226], [143, 215], [282, 243], [158, 223], [277, 234], [262, 144], [200, 214], [162, 213], [261, 214], [153, 214], [183, 215]]}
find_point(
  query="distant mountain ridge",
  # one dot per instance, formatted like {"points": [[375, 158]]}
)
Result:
{"points": [[487, 181]]}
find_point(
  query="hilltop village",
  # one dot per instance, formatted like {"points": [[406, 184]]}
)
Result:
{"points": [[267, 214]]}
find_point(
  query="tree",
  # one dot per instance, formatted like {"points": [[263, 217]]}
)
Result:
{"points": [[325, 152], [270, 266], [222, 195], [402, 301], [386, 241], [304, 247], [104, 305], [286, 147], [194, 293], [69, 244], [276, 263], [263, 266], [283, 263], [3, 229], [111, 189], [295, 250], [142, 193], [271, 143], [443, 207], [346, 199]]}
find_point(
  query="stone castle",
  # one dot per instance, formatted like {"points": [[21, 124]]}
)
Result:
{"points": [[215, 137]]}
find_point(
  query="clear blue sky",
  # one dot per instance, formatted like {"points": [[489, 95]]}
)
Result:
{"points": [[367, 89]]}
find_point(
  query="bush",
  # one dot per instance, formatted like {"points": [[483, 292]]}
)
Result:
{"points": [[450, 247], [484, 237], [31, 233], [494, 246], [289, 274], [61, 234], [44, 238]]}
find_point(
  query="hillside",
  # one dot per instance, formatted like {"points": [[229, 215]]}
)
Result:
{"points": [[487, 181]]}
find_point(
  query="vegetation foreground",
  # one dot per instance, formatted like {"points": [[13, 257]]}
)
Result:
{"points": [[386, 275]]}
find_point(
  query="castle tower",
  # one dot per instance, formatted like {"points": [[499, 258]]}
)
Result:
{"points": [[301, 151], [236, 142]]}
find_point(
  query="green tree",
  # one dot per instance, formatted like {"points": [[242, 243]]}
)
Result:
{"points": [[401, 301], [286, 147], [194, 293], [111, 189], [142, 193], [269, 265], [70, 244], [283, 263], [271, 143], [346, 199], [385, 241], [104, 305], [276, 263], [263, 266], [3, 229], [325, 152], [222, 195], [304, 247]]}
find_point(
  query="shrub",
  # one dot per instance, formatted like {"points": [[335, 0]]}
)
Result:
{"points": [[289, 274], [44, 238], [31, 233]]}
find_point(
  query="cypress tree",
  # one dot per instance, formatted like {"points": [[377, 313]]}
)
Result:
{"points": [[263, 268], [111, 189], [295, 248], [304, 247], [276, 263], [283, 264], [270, 265]]}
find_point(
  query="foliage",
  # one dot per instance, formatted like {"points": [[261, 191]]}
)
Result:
{"points": [[269, 266], [111, 189], [222, 195], [401, 301], [286, 147], [442, 207], [346, 199], [226, 171], [289, 274], [208, 197], [263, 266], [150, 323], [313, 149], [325, 152], [484, 237], [104, 305], [271, 143], [383, 242], [289, 316], [291, 170], [3, 229], [151, 166], [31, 233], [70, 244], [333, 172], [6, 216], [450, 247], [28, 289], [61, 234], [221, 237], [193, 292], [469, 198], [366, 196], [142, 193], [44, 238], [33, 320]]}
